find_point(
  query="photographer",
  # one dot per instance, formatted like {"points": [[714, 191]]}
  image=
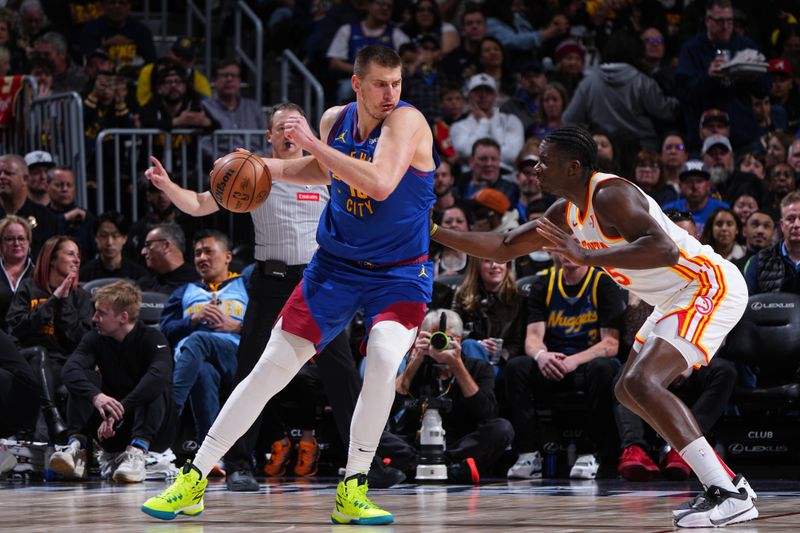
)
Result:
{"points": [[462, 389]]}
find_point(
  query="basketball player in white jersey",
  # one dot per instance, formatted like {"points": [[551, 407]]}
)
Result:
{"points": [[698, 298]]}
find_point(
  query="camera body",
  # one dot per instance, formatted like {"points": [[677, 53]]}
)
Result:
{"points": [[440, 340]]}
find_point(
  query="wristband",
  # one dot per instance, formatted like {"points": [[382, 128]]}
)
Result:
{"points": [[540, 352], [434, 228]]}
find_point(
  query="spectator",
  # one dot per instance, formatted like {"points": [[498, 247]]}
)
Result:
{"points": [[777, 145], [159, 210], [721, 232], [781, 181], [97, 61], [492, 310], [776, 268], [552, 102], [14, 200], [163, 252], [421, 80], [111, 234], [491, 211], [530, 190], [443, 187], [714, 122], [5, 61], [759, 232], [203, 321], [524, 101], [718, 160], [475, 437], [182, 52], [106, 107], [784, 91], [39, 162], [67, 76], [42, 70], [768, 117], [793, 156], [517, 34], [462, 63], [695, 183], [648, 176], [446, 261], [485, 172], [607, 160], [701, 82], [50, 312], [425, 19], [492, 61], [16, 60], [228, 109], [485, 120], [376, 28], [72, 220], [451, 106], [620, 98], [744, 206], [127, 42], [32, 24], [571, 343], [15, 258], [174, 105], [570, 58], [752, 163], [119, 383], [655, 63]]}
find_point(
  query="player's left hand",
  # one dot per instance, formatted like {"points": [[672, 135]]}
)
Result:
{"points": [[297, 130], [561, 242]]}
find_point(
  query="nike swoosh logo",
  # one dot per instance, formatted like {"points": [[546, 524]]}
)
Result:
{"points": [[364, 451], [161, 345], [729, 518]]}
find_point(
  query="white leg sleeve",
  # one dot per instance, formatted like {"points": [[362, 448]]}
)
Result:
{"points": [[388, 343], [283, 357]]}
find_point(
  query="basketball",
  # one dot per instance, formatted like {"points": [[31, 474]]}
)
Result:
{"points": [[240, 182]]}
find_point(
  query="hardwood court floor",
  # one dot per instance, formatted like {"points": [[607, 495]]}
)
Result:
{"points": [[548, 506]]}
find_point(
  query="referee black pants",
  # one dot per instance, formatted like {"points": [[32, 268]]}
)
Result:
{"points": [[338, 372]]}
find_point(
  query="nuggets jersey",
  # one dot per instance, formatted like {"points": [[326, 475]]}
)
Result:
{"points": [[231, 297], [359, 228], [573, 322], [656, 286]]}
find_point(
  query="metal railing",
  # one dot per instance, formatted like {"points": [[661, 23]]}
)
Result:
{"points": [[312, 89], [162, 22], [55, 124], [203, 16], [186, 154], [255, 66]]}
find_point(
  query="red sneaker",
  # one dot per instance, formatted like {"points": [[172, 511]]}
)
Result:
{"points": [[635, 465], [674, 467]]}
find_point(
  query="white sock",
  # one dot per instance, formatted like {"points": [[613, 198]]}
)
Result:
{"points": [[708, 467], [283, 357], [388, 343]]}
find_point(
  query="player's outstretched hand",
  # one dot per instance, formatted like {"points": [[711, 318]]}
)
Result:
{"points": [[157, 174], [561, 242]]}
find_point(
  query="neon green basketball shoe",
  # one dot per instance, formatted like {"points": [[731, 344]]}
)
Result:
{"points": [[184, 496]]}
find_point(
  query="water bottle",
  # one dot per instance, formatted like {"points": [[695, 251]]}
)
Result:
{"points": [[550, 459]]}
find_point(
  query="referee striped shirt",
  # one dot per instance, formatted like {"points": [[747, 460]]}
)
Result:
{"points": [[286, 224]]}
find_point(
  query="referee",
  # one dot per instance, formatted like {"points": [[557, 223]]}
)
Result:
{"points": [[285, 229]]}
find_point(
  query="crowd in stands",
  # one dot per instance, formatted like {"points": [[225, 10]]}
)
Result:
{"points": [[676, 102]]}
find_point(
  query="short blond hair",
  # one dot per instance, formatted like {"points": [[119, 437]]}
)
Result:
{"points": [[121, 296]]}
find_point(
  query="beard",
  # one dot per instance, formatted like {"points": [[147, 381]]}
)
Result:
{"points": [[719, 175]]}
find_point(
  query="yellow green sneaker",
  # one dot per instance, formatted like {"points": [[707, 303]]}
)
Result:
{"points": [[353, 506], [185, 495]]}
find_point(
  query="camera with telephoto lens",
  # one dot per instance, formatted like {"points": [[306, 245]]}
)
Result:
{"points": [[440, 340]]}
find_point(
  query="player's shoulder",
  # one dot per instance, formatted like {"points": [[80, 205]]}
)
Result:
{"points": [[405, 115], [616, 189], [331, 114]]}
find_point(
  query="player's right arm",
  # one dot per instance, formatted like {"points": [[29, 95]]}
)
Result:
{"points": [[190, 202], [502, 247]]}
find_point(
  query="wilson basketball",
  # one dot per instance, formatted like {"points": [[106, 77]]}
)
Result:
{"points": [[240, 182]]}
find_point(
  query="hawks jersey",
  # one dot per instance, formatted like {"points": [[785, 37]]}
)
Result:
{"points": [[656, 286], [356, 227]]}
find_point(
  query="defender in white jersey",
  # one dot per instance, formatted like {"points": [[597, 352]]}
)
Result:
{"points": [[698, 298]]}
